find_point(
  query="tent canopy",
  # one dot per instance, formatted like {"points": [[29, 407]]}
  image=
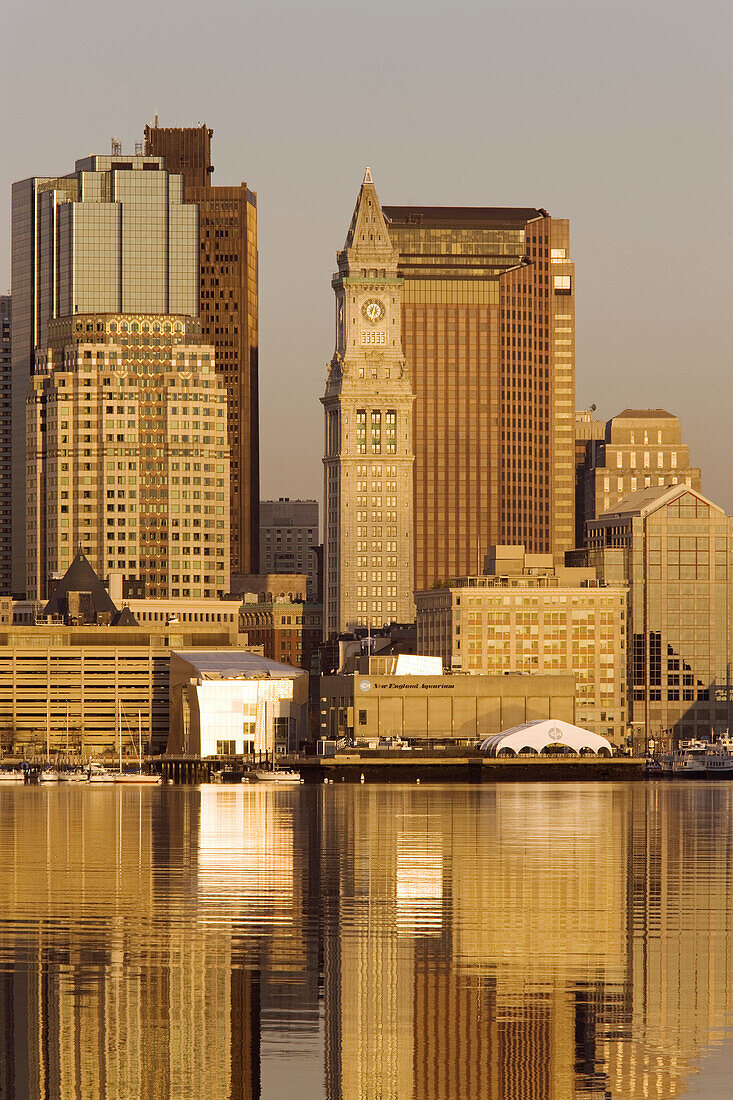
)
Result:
{"points": [[540, 735]]}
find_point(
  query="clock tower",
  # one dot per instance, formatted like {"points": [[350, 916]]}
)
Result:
{"points": [[368, 459]]}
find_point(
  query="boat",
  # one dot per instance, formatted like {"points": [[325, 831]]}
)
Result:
{"points": [[689, 763], [48, 775], [137, 775], [718, 763], [97, 773], [73, 775], [276, 775], [12, 775]]}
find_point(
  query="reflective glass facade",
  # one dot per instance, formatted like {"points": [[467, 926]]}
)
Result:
{"points": [[229, 313], [493, 381], [676, 549]]}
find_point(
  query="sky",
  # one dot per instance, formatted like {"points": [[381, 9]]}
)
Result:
{"points": [[614, 115]]}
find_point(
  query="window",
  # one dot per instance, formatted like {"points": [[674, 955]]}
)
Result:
{"points": [[391, 431], [226, 748], [362, 717], [361, 431], [561, 284], [376, 432]]}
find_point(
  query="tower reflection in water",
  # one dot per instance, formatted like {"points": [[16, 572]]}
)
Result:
{"points": [[526, 942]]}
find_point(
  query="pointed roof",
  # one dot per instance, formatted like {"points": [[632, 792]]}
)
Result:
{"points": [[650, 499], [80, 577], [125, 618], [368, 240]]}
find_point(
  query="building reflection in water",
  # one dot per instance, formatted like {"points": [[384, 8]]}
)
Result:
{"points": [[526, 942]]}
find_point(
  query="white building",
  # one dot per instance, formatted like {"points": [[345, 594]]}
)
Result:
{"points": [[229, 702]]}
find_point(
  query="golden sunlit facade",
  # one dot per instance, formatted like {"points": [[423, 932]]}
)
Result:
{"points": [[127, 456]]}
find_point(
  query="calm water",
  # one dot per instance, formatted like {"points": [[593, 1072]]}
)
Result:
{"points": [[529, 942]]}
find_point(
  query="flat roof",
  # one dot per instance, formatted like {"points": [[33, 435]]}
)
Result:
{"points": [[222, 664], [437, 217]]}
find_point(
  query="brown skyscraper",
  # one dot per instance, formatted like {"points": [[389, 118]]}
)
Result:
{"points": [[488, 336], [228, 272]]}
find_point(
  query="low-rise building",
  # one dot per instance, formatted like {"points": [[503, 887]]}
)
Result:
{"points": [[528, 615], [83, 676], [288, 630], [234, 703], [380, 703]]}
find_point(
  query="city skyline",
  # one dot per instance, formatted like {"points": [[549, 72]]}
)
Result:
{"points": [[651, 305]]}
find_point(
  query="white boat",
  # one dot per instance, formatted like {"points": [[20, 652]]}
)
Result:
{"points": [[718, 763], [48, 775], [135, 777], [14, 775], [689, 763], [279, 775], [73, 775], [99, 774]]}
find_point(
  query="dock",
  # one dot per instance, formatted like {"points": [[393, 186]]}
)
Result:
{"points": [[439, 767]]}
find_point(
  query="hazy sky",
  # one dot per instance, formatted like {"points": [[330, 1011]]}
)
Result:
{"points": [[616, 115]]}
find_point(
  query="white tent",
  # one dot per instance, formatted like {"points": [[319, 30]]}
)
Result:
{"points": [[548, 736]]}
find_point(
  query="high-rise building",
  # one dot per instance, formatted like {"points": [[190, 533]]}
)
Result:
{"points": [[113, 236], [127, 456], [488, 333], [288, 538], [676, 549], [368, 458], [589, 433], [228, 301], [6, 320], [526, 615], [639, 448]]}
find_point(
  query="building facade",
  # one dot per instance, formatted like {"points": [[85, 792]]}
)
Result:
{"points": [[127, 456], [226, 704], [368, 457], [288, 538], [113, 236], [676, 549], [527, 616], [288, 630], [489, 339], [6, 527], [639, 449], [229, 314], [70, 686], [438, 708]]}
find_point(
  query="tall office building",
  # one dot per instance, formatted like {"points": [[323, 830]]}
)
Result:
{"points": [[127, 456], [368, 459], [488, 334], [228, 300], [675, 549], [288, 538], [114, 236], [639, 448], [6, 321]]}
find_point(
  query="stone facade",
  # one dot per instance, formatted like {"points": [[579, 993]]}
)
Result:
{"points": [[368, 458]]}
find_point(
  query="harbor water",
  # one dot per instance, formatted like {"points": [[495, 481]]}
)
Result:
{"points": [[529, 941]]}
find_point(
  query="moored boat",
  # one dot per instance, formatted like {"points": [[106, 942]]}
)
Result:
{"points": [[136, 777], [278, 775]]}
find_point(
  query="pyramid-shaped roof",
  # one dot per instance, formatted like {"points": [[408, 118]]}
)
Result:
{"points": [[368, 240], [80, 577]]}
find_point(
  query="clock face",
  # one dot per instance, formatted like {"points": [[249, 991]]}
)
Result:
{"points": [[373, 310]]}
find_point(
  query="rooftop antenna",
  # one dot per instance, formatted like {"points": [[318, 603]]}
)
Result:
{"points": [[138, 148], [156, 120], [116, 147]]}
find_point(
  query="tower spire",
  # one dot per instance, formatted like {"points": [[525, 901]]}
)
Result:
{"points": [[367, 176]]}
